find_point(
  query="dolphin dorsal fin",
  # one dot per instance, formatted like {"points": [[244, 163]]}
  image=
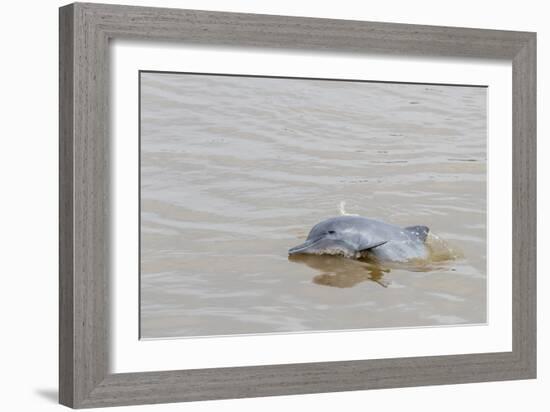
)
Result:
{"points": [[419, 232]]}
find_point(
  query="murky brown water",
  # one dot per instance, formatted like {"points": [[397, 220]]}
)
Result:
{"points": [[235, 170]]}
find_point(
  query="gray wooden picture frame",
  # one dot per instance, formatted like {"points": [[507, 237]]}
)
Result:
{"points": [[85, 31]]}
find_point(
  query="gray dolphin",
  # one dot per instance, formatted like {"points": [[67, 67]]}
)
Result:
{"points": [[352, 236]]}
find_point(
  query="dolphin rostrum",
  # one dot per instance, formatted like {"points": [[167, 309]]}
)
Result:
{"points": [[356, 236]]}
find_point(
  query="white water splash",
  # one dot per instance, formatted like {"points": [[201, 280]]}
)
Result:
{"points": [[342, 209]]}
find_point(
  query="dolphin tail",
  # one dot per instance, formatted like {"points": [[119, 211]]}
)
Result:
{"points": [[418, 232]]}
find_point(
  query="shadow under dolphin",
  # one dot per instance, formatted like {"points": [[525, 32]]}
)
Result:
{"points": [[337, 271]]}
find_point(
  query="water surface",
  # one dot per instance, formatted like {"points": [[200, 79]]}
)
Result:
{"points": [[235, 170]]}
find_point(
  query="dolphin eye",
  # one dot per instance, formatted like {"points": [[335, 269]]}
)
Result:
{"points": [[331, 232]]}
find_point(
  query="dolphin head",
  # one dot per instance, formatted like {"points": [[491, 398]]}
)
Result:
{"points": [[316, 245], [350, 236], [324, 238]]}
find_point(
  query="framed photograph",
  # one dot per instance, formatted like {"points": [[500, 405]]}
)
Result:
{"points": [[258, 205]]}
